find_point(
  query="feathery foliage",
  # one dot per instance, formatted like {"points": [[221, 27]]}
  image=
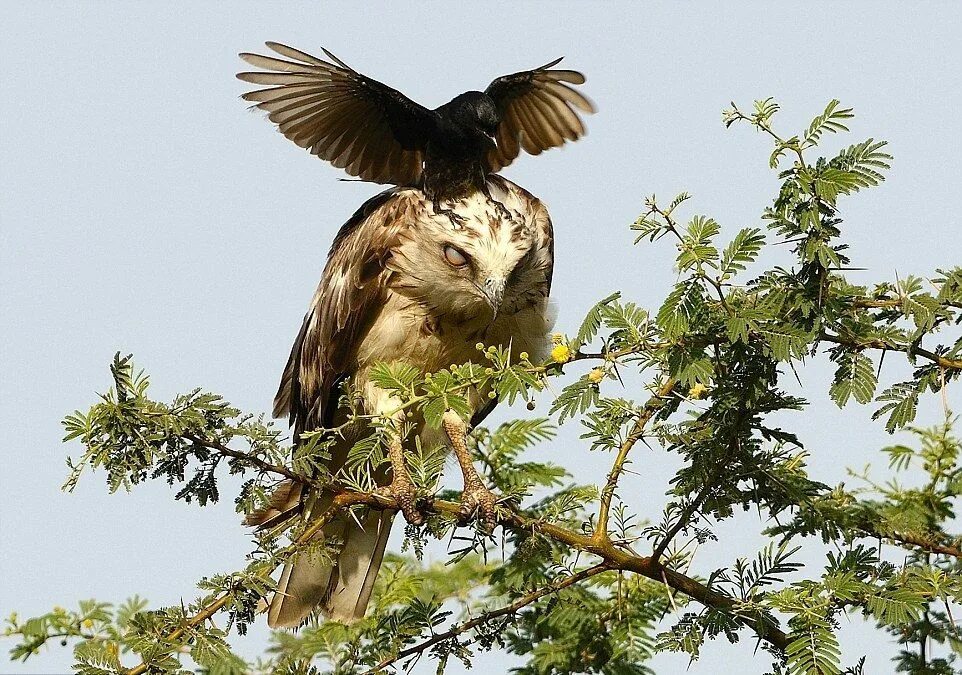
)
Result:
{"points": [[577, 582]]}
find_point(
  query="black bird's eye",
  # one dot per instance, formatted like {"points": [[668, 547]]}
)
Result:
{"points": [[455, 256]]}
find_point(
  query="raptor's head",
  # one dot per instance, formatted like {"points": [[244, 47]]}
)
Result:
{"points": [[478, 270]]}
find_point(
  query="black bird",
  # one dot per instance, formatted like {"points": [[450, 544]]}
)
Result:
{"points": [[378, 134]]}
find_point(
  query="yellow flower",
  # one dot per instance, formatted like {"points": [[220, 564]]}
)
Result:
{"points": [[698, 391], [87, 623], [561, 353], [596, 375], [524, 356]]}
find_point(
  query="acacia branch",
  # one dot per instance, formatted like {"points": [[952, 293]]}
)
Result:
{"points": [[248, 457], [683, 520], [612, 558], [493, 614], [199, 618], [598, 543], [914, 541], [951, 364], [608, 492], [339, 502], [876, 303]]}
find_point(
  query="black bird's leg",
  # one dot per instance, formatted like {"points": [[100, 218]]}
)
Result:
{"points": [[476, 497], [456, 219], [501, 208]]}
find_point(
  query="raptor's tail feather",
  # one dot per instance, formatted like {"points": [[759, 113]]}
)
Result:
{"points": [[285, 502], [340, 588]]}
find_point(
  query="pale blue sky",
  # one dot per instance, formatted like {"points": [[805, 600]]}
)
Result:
{"points": [[143, 209]]}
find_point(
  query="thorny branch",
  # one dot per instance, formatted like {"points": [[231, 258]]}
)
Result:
{"points": [[953, 364], [254, 460], [514, 607], [613, 558], [608, 492]]}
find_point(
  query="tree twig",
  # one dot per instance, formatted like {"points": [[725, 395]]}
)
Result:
{"points": [[637, 430], [954, 364], [914, 541], [612, 558], [248, 457], [488, 616], [340, 501]]}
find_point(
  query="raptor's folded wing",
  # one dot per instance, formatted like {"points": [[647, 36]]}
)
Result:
{"points": [[350, 292]]}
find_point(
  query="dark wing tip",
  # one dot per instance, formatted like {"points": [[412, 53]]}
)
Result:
{"points": [[337, 60], [550, 64]]}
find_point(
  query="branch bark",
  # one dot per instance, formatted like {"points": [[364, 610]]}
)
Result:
{"points": [[912, 541], [608, 492], [488, 616], [612, 558], [952, 364], [251, 459]]}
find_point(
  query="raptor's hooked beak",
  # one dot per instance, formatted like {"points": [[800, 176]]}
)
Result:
{"points": [[493, 289]]}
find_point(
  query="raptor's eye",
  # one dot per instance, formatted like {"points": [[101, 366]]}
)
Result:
{"points": [[455, 257]]}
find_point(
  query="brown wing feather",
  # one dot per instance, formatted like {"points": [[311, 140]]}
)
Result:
{"points": [[355, 122], [350, 292], [538, 112]]}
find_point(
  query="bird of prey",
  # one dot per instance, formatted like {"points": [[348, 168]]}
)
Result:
{"points": [[404, 283], [453, 255], [378, 134]]}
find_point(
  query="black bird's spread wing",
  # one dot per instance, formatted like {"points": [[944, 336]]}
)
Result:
{"points": [[358, 124], [537, 112]]}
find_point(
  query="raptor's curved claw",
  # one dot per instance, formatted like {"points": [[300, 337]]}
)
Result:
{"points": [[479, 499], [406, 496]]}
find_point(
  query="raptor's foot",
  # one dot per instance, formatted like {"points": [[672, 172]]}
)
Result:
{"points": [[402, 490], [479, 499]]}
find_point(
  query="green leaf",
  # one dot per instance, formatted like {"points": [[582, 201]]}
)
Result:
{"points": [[741, 251], [855, 376], [397, 377], [696, 249], [592, 322], [785, 341], [814, 650], [681, 305], [574, 399], [865, 161], [830, 120], [900, 401]]}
